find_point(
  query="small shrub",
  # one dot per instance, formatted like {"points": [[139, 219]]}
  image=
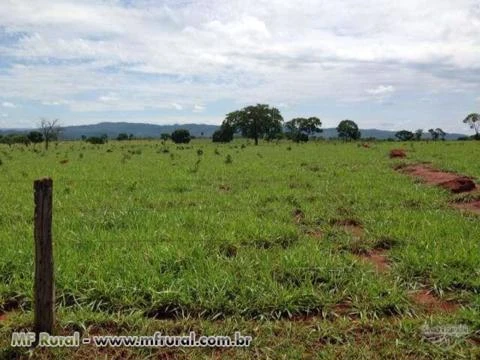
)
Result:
{"points": [[199, 152], [181, 136], [96, 140], [228, 159]]}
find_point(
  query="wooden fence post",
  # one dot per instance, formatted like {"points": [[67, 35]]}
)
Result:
{"points": [[44, 287]]}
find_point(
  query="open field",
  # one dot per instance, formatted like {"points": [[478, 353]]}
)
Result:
{"points": [[317, 250]]}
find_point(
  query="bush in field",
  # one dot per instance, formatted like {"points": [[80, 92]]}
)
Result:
{"points": [[181, 136], [15, 139], [97, 140], [35, 137], [164, 136], [122, 137]]}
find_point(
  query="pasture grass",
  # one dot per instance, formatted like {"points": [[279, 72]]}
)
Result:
{"points": [[237, 235]]}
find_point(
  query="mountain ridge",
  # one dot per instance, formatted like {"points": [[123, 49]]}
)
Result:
{"points": [[146, 130]]}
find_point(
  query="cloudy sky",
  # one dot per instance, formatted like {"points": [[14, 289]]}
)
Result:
{"points": [[391, 65]]}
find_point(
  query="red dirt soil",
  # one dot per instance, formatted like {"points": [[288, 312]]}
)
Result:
{"points": [[433, 304], [350, 225], [397, 153], [473, 206], [450, 181], [378, 259], [3, 317]]}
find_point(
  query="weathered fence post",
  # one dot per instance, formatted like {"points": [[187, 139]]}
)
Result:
{"points": [[44, 288]]}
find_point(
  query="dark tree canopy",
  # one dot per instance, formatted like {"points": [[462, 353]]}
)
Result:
{"points": [[418, 134], [255, 122], [404, 135], [15, 138], [348, 130], [437, 133], [122, 137], [35, 137], [473, 120], [224, 134], [181, 136], [96, 140], [299, 129], [164, 136]]}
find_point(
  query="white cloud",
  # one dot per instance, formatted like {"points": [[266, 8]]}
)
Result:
{"points": [[177, 106], [55, 103], [144, 56], [381, 90], [198, 108], [7, 104], [4, 115], [111, 97]]}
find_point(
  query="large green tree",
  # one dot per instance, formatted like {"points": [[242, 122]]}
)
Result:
{"points": [[299, 129], [348, 130], [418, 134], [255, 122], [437, 133], [473, 120]]}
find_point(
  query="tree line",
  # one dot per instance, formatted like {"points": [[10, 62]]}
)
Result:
{"points": [[253, 122], [264, 122]]}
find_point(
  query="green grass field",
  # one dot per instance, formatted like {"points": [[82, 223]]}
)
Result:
{"points": [[220, 238]]}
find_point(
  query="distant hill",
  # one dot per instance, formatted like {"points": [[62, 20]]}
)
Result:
{"points": [[383, 134], [112, 129], [138, 130]]}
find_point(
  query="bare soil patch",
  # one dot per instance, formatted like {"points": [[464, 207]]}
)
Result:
{"points": [[3, 317], [473, 206], [350, 225], [432, 304], [397, 153], [378, 259], [447, 180]]}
